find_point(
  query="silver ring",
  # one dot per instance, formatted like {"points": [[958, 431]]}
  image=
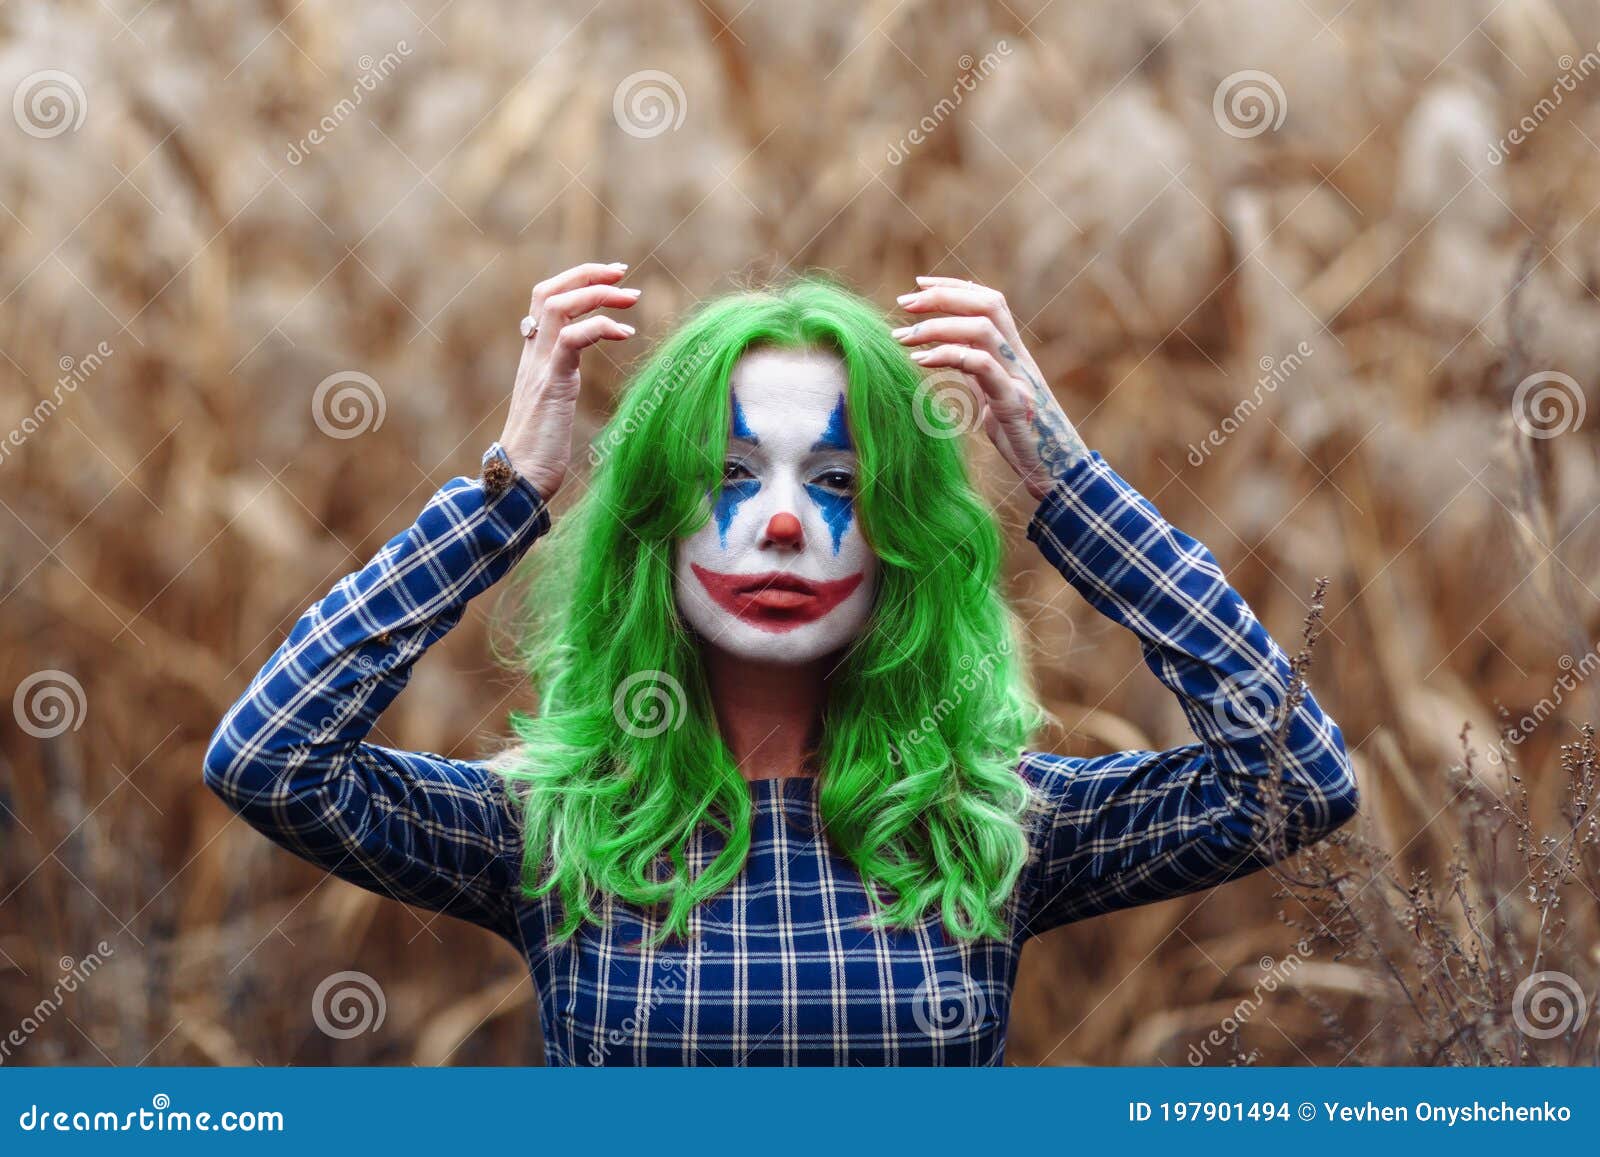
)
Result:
{"points": [[529, 326]]}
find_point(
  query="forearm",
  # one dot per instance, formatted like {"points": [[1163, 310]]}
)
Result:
{"points": [[1204, 643], [290, 756]]}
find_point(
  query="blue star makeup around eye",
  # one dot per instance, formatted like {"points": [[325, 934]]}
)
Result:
{"points": [[837, 435], [837, 509], [735, 493]]}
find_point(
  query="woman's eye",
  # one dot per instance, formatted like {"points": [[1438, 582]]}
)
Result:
{"points": [[841, 481], [735, 472]]}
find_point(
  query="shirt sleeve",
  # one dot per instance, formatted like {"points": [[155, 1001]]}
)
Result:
{"points": [[290, 756], [1139, 826]]}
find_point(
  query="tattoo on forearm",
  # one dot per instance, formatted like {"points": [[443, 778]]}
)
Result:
{"points": [[1059, 446]]}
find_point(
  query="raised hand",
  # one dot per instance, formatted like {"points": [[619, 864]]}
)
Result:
{"points": [[544, 399], [977, 335]]}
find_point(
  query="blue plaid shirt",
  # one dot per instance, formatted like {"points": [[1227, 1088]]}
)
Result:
{"points": [[780, 968]]}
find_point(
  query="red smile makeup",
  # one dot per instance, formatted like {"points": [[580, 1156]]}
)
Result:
{"points": [[774, 601]]}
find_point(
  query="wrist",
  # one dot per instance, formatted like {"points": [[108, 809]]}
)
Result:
{"points": [[503, 471]]}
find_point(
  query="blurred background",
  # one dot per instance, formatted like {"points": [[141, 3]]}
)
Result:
{"points": [[1317, 276]]}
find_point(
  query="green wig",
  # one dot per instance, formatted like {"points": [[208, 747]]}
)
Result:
{"points": [[926, 713]]}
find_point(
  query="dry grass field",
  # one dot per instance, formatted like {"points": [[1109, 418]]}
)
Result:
{"points": [[1318, 276]]}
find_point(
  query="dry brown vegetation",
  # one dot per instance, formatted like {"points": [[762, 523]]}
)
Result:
{"points": [[166, 521]]}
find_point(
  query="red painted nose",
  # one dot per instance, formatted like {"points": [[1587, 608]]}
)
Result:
{"points": [[784, 530]]}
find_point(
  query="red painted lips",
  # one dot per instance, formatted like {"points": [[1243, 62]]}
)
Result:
{"points": [[774, 601]]}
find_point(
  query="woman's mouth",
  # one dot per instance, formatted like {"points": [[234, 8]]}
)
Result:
{"points": [[774, 601]]}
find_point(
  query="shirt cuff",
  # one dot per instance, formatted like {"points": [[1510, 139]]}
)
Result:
{"points": [[511, 495], [1075, 489]]}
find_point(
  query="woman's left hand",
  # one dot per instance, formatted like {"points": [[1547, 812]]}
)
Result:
{"points": [[976, 335]]}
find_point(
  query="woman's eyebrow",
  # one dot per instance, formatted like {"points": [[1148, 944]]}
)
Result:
{"points": [[836, 436]]}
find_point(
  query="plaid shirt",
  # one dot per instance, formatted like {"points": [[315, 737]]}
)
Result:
{"points": [[780, 968]]}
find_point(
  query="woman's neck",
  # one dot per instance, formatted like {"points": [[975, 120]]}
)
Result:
{"points": [[770, 714]]}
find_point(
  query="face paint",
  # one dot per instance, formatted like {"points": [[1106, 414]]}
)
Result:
{"points": [[781, 573]]}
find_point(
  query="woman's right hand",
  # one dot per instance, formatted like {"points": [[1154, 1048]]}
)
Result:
{"points": [[538, 432]]}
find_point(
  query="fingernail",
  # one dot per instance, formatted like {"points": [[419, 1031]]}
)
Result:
{"points": [[632, 290], [619, 265], [919, 355], [923, 280], [901, 332], [906, 298], [628, 329]]}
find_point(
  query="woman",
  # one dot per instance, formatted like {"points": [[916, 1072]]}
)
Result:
{"points": [[775, 807]]}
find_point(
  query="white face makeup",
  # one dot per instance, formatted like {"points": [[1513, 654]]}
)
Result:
{"points": [[781, 572]]}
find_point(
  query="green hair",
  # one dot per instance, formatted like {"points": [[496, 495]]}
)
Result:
{"points": [[927, 712]]}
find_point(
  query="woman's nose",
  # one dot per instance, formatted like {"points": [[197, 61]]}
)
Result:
{"points": [[783, 530]]}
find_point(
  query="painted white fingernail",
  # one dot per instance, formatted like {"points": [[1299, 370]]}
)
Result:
{"points": [[628, 329], [630, 289], [619, 265], [906, 298]]}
